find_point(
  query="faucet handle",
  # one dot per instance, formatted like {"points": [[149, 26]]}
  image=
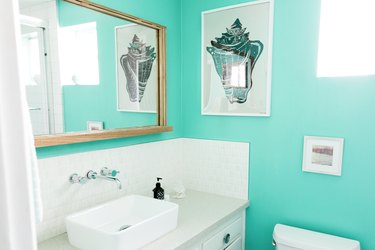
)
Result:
{"points": [[115, 172], [106, 172], [91, 175], [75, 178]]}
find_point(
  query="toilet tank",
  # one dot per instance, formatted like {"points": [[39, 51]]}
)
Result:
{"points": [[293, 238]]}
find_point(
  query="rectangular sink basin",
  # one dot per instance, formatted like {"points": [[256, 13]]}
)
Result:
{"points": [[124, 224]]}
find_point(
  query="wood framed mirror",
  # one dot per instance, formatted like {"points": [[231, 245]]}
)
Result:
{"points": [[129, 97]]}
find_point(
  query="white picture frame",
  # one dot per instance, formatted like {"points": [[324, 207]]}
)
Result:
{"points": [[124, 36], [323, 155], [219, 98], [95, 126]]}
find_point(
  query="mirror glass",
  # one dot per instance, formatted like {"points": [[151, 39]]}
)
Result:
{"points": [[84, 70]]}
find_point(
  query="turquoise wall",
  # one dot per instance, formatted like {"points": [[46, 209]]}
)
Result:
{"points": [[168, 15], [301, 105]]}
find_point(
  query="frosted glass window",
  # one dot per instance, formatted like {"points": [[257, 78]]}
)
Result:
{"points": [[347, 38], [79, 54]]}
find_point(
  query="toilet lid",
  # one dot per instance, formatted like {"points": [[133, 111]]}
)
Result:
{"points": [[310, 240]]}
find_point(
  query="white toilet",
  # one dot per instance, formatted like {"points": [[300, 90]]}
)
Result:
{"points": [[293, 238]]}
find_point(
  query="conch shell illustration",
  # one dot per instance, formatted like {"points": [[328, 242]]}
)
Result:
{"points": [[137, 65], [235, 55]]}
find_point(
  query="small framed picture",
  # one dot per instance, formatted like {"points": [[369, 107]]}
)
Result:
{"points": [[323, 155], [93, 126]]}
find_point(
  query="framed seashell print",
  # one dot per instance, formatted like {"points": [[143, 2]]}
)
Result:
{"points": [[236, 59], [136, 68]]}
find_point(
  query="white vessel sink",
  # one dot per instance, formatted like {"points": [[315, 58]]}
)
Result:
{"points": [[127, 223]]}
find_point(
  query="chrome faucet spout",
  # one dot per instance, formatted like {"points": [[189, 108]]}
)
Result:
{"points": [[110, 178]]}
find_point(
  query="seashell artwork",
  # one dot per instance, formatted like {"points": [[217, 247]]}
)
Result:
{"points": [[235, 56], [137, 66]]}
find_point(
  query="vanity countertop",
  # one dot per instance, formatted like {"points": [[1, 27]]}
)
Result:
{"points": [[199, 213]]}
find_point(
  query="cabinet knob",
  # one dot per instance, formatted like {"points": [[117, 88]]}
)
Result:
{"points": [[226, 238]]}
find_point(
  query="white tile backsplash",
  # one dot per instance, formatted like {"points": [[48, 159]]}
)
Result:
{"points": [[219, 167], [212, 166]]}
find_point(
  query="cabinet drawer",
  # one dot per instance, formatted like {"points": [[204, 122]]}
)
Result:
{"points": [[236, 245], [225, 237]]}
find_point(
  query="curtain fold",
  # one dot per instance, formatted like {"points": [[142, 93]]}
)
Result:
{"points": [[17, 213]]}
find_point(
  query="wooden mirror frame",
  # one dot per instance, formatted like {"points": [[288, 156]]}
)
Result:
{"points": [[161, 126]]}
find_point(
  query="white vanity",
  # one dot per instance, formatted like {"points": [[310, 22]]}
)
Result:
{"points": [[205, 222]]}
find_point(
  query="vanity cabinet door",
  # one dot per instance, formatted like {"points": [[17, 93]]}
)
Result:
{"points": [[236, 245], [225, 237]]}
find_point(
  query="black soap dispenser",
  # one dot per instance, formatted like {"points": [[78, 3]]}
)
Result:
{"points": [[158, 190]]}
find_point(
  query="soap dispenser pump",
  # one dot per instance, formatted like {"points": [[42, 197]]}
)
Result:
{"points": [[158, 190]]}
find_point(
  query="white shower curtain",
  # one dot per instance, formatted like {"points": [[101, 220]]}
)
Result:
{"points": [[17, 213]]}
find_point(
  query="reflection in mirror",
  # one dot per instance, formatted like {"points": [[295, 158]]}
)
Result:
{"points": [[84, 70], [35, 78], [89, 68], [136, 76]]}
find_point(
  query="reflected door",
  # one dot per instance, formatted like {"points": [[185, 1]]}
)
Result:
{"points": [[33, 76]]}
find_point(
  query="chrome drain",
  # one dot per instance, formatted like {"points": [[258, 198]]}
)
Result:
{"points": [[123, 227]]}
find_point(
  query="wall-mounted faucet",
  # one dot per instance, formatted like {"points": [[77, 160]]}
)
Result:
{"points": [[105, 174]]}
